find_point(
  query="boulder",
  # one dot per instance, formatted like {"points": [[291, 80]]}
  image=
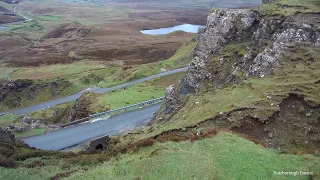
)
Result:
{"points": [[6, 135]]}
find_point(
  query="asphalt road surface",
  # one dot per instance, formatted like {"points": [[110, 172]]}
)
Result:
{"points": [[73, 135], [96, 90]]}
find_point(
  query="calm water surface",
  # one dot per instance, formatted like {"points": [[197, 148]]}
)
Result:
{"points": [[189, 28]]}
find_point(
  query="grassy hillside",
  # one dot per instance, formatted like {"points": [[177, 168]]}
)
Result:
{"points": [[255, 128], [225, 156], [71, 78]]}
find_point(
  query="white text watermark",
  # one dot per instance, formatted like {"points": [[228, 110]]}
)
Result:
{"points": [[292, 173]]}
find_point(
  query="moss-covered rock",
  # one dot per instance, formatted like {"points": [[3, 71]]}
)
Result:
{"points": [[87, 104]]}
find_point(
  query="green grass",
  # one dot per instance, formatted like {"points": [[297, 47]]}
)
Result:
{"points": [[12, 174], [132, 95], [6, 71], [225, 156], [56, 70], [289, 7], [53, 165], [7, 119], [30, 25], [138, 93], [119, 98], [47, 113], [31, 132]]}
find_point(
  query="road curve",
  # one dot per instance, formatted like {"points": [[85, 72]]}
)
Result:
{"points": [[24, 17], [66, 137], [96, 90]]}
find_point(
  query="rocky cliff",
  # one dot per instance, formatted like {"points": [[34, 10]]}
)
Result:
{"points": [[254, 71], [258, 43]]}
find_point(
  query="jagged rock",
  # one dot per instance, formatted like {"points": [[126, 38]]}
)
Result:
{"points": [[287, 33], [82, 107], [29, 123], [14, 86], [6, 135], [16, 128], [268, 40], [222, 27], [170, 99], [26, 120]]}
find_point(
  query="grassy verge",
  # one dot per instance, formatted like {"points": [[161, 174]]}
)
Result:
{"points": [[31, 132], [225, 156], [7, 119], [141, 92]]}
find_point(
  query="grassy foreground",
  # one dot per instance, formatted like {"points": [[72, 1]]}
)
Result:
{"points": [[225, 156]]}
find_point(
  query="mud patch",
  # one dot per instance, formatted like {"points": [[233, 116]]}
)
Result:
{"points": [[295, 128], [252, 127]]}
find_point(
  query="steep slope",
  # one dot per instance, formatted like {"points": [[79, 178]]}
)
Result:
{"points": [[254, 71]]}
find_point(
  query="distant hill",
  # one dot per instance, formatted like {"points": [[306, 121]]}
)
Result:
{"points": [[7, 16]]}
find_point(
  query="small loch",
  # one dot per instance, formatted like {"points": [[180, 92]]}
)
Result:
{"points": [[189, 28]]}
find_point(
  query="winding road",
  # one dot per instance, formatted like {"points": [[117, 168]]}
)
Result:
{"points": [[73, 97], [73, 135], [24, 17]]}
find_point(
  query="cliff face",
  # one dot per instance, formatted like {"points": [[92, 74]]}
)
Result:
{"points": [[254, 72], [268, 40], [259, 43]]}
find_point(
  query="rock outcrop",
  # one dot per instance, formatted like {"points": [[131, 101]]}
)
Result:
{"points": [[265, 40], [6, 135], [15, 93], [87, 104], [223, 26]]}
